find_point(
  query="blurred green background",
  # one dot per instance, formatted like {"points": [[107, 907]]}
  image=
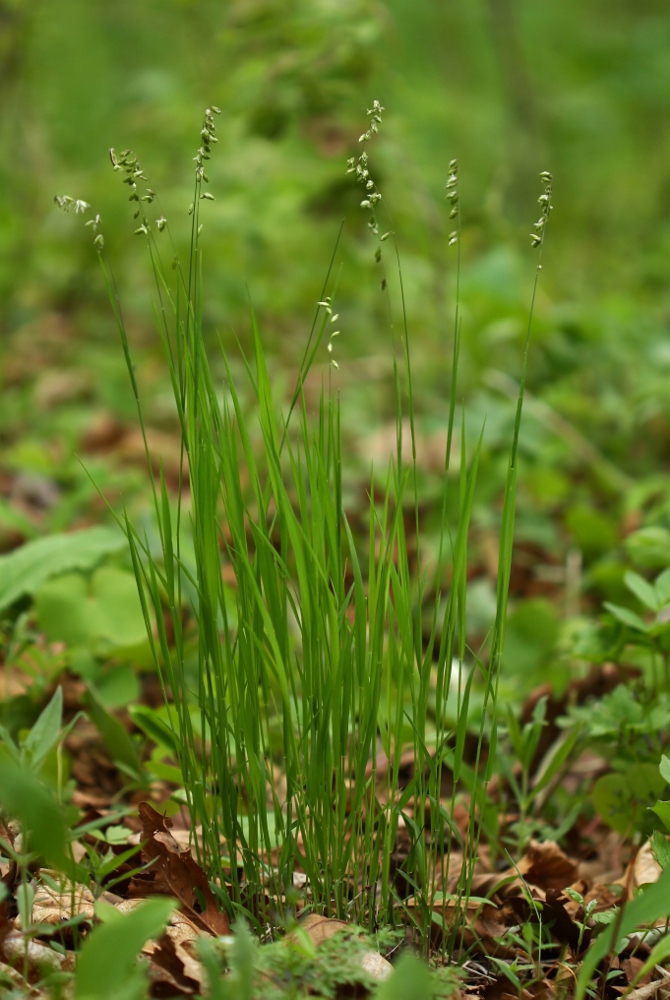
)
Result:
{"points": [[509, 87]]}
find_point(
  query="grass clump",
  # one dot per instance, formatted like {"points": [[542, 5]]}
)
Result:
{"points": [[312, 673], [337, 736]]}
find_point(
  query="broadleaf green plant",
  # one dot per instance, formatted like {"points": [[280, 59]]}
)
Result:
{"points": [[107, 965], [23, 571], [102, 613], [24, 796]]}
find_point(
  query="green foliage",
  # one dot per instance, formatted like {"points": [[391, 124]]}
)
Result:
{"points": [[623, 721], [24, 796], [121, 747], [43, 736], [517, 752], [27, 789], [650, 547], [623, 799], [660, 845], [242, 959], [299, 61], [294, 968], [410, 977], [629, 727], [107, 964], [533, 629], [38, 744], [653, 597], [24, 571], [650, 905], [97, 616], [640, 633], [102, 612]]}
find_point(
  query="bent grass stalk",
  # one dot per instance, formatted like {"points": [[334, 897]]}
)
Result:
{"points": [[315, 661]]}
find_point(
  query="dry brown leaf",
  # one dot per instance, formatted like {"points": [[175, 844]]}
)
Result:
{"points": [[174, 872], [565, 979], [184, 935], [483, 884], [10, 975], [9, 870], [56, 386], [376, 965], [540, 991], [98, 779], [167, 969], [488, 925], [16, 950], [319, 928], [607, 858], [66, 900], [544, 866], [163, 448], [103, 432], [659, 988], [430, 447], [645, 866], [631, 968], [173, 957], [563, 927]]}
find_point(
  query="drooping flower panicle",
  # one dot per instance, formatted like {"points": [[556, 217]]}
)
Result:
{"points": [[452, 196], [359, 167], [207, 137], [537, 236]]}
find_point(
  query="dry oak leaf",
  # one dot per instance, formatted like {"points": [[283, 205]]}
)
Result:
{"points": [[660, 989], [17, 951], [10, 975], [176, 873], [56, 900], [544, 866], [167, 970], [172, 958], [319, 928], [631, 967]]}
